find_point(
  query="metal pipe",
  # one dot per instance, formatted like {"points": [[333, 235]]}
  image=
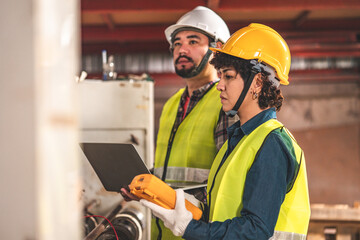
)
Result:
{"points": [[101, 227]]}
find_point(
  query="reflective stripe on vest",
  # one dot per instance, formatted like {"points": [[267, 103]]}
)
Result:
{"points": [[226, 203], [181, 174], [193, 145], [287, 236]]}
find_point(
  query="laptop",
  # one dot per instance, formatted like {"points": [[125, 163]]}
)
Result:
{"points": [[116, 164]]}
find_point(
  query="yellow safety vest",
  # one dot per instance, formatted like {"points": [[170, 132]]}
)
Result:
{"points": [[193, 147], [227, 193]]}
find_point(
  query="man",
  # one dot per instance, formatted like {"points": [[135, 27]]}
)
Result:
{"points": [[192, 121], [192, 125]]}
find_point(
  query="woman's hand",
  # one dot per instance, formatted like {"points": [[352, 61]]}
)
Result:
{"points": [[176, 219]]}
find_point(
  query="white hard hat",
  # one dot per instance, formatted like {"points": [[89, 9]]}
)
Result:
{"points": [[203, 19]]}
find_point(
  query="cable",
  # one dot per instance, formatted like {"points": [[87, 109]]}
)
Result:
{"points": [[117, 238]]}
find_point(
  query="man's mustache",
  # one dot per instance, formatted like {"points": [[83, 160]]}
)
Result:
{"points": [[186, 57]]}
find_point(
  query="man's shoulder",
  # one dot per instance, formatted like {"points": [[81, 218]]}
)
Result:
{"points": [[177, 94], [174, 98]]}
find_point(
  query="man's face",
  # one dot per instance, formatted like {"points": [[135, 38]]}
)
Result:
{"points": [[189, 47]]}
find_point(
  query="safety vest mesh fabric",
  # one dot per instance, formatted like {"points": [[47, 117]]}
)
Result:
{"points": [[227, 193], [193, 148]]}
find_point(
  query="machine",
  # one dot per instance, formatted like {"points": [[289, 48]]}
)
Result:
{"points": [[116, 111]]}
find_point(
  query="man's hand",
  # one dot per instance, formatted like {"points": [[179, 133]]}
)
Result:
{"points": [[125, 192], [175, 219]]}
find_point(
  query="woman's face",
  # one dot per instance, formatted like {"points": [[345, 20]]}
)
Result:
{"points": [[230, 85]]}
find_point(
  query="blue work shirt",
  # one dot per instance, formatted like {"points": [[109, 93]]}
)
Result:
{"points": [[267, 182]]}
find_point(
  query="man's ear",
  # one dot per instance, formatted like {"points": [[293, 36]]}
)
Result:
{"points": [[218, 44]]}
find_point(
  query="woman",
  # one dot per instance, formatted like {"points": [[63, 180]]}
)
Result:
{"points": [[257, 187]]}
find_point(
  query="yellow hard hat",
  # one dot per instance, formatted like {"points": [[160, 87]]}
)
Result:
{"points": [[263, 43]]}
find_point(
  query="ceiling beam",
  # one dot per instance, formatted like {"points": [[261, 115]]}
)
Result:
{"points": [[325, 50], [110, 6], [320, 37], [236, 5], [108, 20], [352, 24], [301, 18], [310, 50], [126, 48], [324, 75], [315, 30], [136, 33], [213, 4], [124, 35]]}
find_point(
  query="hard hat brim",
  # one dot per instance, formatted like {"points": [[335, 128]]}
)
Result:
{"points": [[284, 80], [175, 28], [214, 50]]}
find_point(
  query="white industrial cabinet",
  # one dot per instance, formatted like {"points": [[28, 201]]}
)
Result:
{"points": [[115, 112]]}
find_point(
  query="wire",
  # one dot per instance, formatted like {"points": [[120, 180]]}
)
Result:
{"points": [[117, 238]]}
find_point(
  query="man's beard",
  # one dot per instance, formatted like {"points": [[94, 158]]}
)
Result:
{"points": [[182, 72], [185, 73]]}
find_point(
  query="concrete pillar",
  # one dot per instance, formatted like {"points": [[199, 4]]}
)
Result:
{"points": [[39, 173]]}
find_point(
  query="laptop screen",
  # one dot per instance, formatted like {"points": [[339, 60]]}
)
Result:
{"points": [[116, 164]]}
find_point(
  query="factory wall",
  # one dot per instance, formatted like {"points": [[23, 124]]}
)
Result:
{"points": [[325, 119]]}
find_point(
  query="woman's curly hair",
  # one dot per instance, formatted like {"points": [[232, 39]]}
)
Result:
{"points": [[269, 96]]}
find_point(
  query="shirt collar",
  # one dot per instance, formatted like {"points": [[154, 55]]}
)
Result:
{"points": [[257, 120], [199, 92], [231, 130], [252, 124]]}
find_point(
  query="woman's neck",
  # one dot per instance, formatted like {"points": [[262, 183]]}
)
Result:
{"points": [[248, 113]]}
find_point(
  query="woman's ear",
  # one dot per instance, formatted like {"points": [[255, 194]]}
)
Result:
{"points": [[258, 82]]}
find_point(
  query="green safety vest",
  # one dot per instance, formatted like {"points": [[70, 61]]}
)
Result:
{"points": [[193, 148], [226, 199]]}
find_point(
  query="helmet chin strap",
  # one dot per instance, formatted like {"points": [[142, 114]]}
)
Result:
{"points": [[255, 70], [201, 66]]}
